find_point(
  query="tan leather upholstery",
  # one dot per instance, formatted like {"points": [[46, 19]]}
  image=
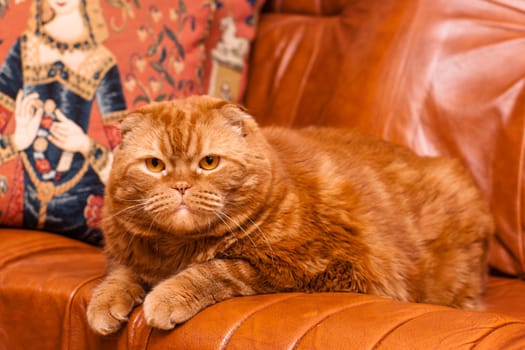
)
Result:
{"points": [[444, 77], [46, 281]]}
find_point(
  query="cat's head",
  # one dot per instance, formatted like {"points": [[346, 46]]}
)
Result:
{"points": [[191, 167]]}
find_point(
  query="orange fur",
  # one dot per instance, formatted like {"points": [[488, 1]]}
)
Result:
{"points": [[285, 210]]}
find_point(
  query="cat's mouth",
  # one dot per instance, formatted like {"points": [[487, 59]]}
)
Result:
{"points": [[182, 208], [182, 218]]}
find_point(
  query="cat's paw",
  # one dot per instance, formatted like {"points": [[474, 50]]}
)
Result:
{"points": [[164, 309], [107, 311]]}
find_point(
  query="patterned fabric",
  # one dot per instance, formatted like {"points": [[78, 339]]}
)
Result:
{"points": [[67, 75], [228, 47]]}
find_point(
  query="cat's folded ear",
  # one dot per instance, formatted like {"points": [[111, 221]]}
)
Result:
{"points": [[238, 117], [128, 121]]}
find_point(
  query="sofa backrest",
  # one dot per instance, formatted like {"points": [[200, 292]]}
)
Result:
{"points": [[443, 77]]}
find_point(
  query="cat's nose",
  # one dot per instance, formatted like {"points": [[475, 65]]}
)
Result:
{"points": [[181, 186]]}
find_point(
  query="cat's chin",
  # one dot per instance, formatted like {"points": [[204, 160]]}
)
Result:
{"points": [[183, 219], [185, 222]]}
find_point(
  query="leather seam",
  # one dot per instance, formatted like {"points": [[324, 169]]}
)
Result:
{"points": [[66, 326], [226, 340], [133, 343], [326, 317], [485, 336], [399, 325], [12, 260], [519, 204]]}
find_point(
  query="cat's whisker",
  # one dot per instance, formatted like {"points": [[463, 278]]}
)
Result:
{"points": [[211, 207], [263, 235], [218, 214], [150, 226], [208, 195], [207, 201], [246, 233], [131, 200], [136, 207], [158, 203], [130, 242]]}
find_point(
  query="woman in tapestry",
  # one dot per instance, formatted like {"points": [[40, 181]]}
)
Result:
{"points": [[52, 77]]}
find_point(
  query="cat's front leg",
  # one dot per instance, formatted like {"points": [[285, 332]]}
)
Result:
{"points": [[113, 300], [180, 297]]}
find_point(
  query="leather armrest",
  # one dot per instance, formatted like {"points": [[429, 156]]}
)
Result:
{"points": [[338, 321], [46, 281]]}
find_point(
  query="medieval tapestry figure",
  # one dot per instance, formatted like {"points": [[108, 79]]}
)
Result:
{"points": [[55, 80]]}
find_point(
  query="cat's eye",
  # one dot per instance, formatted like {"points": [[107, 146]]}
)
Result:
{"points": [[209, 162], [155, 165]]}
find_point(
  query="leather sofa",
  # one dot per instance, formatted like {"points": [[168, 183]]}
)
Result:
{"points": [[445, 77]]}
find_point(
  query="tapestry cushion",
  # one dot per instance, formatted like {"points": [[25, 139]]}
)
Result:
{"points": [[68, 71], [228, 47]]}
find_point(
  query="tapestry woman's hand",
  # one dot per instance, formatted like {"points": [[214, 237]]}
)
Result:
{"points": [[28, 114], [67, 135]]}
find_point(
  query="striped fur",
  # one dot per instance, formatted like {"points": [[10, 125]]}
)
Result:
{"points": [[285, 210]]}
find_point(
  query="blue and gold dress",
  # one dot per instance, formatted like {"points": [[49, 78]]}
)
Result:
{"points": [[60, 189]]}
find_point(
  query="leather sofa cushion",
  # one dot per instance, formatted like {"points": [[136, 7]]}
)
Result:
{"points": [[442, 77], [47, 280]]}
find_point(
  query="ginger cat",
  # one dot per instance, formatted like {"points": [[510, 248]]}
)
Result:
{"points": [[203, 205]]}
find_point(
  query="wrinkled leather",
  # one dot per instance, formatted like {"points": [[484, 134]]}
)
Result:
{"points": [[46, 281], [443, 77]]}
